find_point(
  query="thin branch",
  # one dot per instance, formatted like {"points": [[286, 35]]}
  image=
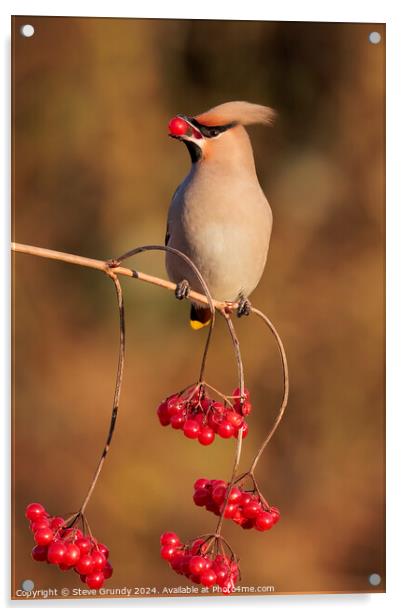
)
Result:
{"points": [[236, 463], [117, 390], [285, 397], [104, 266], [236, 346], [232, 480]]}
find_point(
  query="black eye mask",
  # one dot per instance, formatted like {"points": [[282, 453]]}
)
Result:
{"points": [[207, 131], [211, 131]]}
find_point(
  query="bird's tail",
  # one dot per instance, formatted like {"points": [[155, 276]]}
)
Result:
{"points": [[199, 316]]}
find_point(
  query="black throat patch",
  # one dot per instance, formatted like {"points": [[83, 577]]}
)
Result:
{"points": [[194, 150]]}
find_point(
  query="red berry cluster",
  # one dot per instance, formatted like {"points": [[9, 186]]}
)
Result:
{"points": [[200, 417], [68, 547], [244, 508], [194, 562]]}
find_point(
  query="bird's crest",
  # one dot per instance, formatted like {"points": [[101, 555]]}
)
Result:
{"points": [[239, 112]]}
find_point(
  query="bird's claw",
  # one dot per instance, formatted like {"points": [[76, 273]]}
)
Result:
{"points": [[112, 263], [182, 290], [243, 307]]}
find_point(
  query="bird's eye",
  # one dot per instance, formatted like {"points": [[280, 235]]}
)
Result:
{"points": [[214, 132]]}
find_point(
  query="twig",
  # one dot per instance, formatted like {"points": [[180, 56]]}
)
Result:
{"points": [[285, 397], [103, 266], [116, 397], [236, 347]]}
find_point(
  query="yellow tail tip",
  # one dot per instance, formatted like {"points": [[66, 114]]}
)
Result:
{"points": [[198, 325]]}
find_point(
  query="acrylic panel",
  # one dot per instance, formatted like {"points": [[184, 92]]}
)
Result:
{"points": [[300, 507]]}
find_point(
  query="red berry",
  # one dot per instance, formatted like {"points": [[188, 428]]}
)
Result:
{"points": [[170, 539], [235, 495], [163, 414], [274, 511], [245, 499], [221, 574], [218, 482], [99, 560], [196, 546], [251, 510], [177, 560], [197, 565], [201, 497], [191, 428], [40, 523], [246, 408], [71, 556], [56, 523], [225, 430], [238, 517], [174, 405], [206, 436], [234, 418], [168, 551], [104, 549], [72, 534], [34, 511], [95, 580], [84, 565], [178, 126], [248, 523], [230, 510], [205, 404], [208, 578], [177, 421], [218, 408], [199, 418], [107, 570], [39, 553], [84, 544], [201, 483], [56, 552], [43, 536], [264, 521], [218, 494]]}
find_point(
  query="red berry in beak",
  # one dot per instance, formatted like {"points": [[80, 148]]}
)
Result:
{"points": [[178, 126]]}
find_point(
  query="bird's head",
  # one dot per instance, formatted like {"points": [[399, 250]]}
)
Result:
{"points": [[218, 133]]}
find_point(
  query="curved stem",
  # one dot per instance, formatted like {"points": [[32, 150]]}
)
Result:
{"points": [[117, 390], [229, 487], [200, 278], [236, 346], [285, 397], [240, 370]]}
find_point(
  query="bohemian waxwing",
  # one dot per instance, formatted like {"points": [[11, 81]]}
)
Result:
{"points": [[219, 216]]}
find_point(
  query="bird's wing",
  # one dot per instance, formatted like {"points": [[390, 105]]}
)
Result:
{"points": [[168, 233]]}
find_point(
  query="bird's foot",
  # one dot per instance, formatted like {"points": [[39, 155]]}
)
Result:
{"points": [[243, 307], [182, 289], [112, 263]]}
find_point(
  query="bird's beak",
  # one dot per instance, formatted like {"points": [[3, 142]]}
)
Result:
{"points": [[182, 128]]}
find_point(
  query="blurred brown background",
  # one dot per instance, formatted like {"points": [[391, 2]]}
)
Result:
{"points": [[94, 172]]}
